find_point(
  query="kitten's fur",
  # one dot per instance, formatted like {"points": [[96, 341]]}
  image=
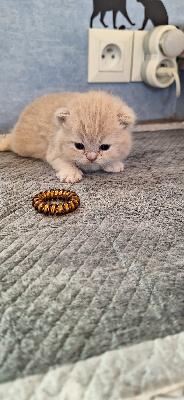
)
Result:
{"points": [[49, 127]]}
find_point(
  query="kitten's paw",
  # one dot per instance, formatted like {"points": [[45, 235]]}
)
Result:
{"points": [[70, 176], [115, 167], [5, 144]]}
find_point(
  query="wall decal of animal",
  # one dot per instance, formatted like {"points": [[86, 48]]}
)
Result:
{"points": [[155, 12], [102, 6]]}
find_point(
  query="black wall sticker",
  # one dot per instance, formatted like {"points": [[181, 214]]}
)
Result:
{"points": [[154, 10], [102, 6]]}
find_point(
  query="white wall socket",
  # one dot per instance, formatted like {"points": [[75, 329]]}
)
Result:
{"points": [[109, 55]]}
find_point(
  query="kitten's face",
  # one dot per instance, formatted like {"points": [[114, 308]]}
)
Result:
{"points": [[92, 155], [95, 131]]}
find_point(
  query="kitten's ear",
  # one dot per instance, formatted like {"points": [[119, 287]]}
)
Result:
{"points": [[61, 115], [126, 118]]}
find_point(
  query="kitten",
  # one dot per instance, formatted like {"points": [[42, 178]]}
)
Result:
{"points": [[74, 132]]}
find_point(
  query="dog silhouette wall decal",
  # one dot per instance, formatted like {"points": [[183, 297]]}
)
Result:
{"points": [[102, 6], [155, 11]]}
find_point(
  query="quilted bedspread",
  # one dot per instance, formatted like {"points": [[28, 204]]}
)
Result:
{"points": [[92, 303]]}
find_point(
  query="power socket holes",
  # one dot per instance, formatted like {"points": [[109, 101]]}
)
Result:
{"points": [[109, 55]]}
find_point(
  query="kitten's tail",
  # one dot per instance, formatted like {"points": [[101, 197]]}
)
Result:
{"points": [[5, 143]]}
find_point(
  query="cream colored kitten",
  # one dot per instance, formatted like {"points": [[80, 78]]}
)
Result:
{"points": [[74, 132]]}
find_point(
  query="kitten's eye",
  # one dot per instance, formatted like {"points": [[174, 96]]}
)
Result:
{"points": [[104, 146], [79, 146]]}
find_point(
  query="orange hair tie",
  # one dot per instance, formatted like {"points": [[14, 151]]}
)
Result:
{"points": [[41, 201]]}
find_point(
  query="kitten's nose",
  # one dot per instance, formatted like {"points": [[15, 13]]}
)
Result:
{"points": [[91, 156]]}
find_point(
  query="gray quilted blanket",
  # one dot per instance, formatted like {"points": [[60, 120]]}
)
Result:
{"points": [[92, 303]]}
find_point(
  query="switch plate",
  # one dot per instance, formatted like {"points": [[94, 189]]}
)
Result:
{"points": [[109, 55], [137, 55]]}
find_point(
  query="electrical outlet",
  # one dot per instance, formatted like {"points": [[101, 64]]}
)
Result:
{"points": [[161, 45], [109, 55]]}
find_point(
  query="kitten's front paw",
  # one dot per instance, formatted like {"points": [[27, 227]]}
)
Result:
{"points": [[115, 167], [70, 176]]}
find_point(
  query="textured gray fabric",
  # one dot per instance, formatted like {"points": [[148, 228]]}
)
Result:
{"points": [[107, 275], [128, 373]]}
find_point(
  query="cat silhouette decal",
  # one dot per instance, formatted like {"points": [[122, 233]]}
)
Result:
{"points": [[102, 6], [155, 11]]}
